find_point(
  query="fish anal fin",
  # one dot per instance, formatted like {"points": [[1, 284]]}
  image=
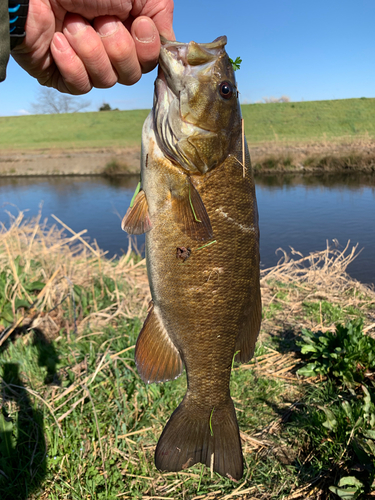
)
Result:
{"points": [[248, 334], [137, 219], [210, 437], [190, 213], [156, 356]]}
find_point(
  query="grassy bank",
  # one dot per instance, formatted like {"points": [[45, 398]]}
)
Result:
{"points": [[77, 422], [310, 121], [73, 130], [315, 121]]}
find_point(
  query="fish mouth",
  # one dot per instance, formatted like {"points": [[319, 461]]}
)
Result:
{"points": [[185, 50], [178, 58]]}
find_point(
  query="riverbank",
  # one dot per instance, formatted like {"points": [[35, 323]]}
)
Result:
{"points": [[269, 157], [310, 136], [70, 382]]}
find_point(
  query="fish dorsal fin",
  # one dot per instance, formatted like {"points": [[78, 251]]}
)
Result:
{"points": [[190, 213], [156, 356], [248, 334], [137, 220]]}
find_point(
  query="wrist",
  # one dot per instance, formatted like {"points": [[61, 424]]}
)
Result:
{"points": [[17, 20]]}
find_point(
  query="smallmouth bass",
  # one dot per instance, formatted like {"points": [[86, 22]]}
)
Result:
{"points": [[198, 208]]}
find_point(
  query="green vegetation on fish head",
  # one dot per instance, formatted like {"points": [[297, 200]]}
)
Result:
{"points": [[197, 115]]}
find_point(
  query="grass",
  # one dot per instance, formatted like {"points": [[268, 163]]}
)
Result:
{"points": [[348, 120], [309, 121], [77, 421], [73, 130]]}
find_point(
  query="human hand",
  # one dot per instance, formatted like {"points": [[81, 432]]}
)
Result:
{"points": [[74, 46]]}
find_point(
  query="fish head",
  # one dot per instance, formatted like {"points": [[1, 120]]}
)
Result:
{"points": [[197, 115]]}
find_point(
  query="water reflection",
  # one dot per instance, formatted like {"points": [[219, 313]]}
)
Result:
{"points": [[302, 211]]}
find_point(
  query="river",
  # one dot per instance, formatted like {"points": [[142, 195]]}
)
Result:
{"points": [[301, 211]]}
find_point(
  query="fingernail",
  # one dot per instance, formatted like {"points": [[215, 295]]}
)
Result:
{"points": [[75, 27], [144, 31], [60, 42], [108, 28]]}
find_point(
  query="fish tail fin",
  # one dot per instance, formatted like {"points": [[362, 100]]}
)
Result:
{"points": [[210, 437]]}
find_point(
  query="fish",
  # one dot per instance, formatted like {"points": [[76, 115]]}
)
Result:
{"points": [[197, 206]]}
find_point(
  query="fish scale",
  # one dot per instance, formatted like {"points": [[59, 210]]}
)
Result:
{"points": [[205, 306]]}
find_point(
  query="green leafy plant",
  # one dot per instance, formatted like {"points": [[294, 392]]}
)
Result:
{"points": [[346, 354], [236, 63], [348, 487]]}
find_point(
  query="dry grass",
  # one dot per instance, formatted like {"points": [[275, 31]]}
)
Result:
{"points": [[65, 258], [319, 277]]}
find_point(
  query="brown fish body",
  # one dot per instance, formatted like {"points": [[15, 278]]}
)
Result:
{"points": [[206, 305]]}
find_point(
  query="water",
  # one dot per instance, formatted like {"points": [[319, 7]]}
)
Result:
{"points": [[298, 211]]}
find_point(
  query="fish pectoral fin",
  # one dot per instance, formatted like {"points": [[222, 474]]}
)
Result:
{"points": [[190, 213], [208, 435], [248, 334], [137, 219], [156, 356]]}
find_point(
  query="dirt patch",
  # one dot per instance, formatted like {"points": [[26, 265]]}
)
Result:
{"points": [[270, 157], [68, 162]]}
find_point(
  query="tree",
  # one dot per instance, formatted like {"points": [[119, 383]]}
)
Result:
{"points": [[105, 107], [50, 101]]}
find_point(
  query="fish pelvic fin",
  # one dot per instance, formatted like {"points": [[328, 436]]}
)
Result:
{"points": [[156, 356], [248, 334], [210, 437], [190, 213], [137, 219]]}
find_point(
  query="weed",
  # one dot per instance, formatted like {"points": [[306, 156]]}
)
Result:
{"points": [[343, 409], [346, 354]]}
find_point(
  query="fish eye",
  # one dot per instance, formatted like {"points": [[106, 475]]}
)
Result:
{"points": [[226, 90]]}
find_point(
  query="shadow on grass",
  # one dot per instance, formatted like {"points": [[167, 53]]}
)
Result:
{"points": [[22, 444], [47, 354]]}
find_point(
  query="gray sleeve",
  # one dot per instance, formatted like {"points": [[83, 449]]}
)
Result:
{"points": [[4, 38]]}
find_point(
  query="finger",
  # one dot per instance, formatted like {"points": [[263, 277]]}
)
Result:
{"points": [[88, 46], [71, 76], [161, 12], [120, 48], [147, 42], [163, 21]]}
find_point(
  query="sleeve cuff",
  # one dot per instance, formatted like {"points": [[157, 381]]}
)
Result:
{"points": [[17, 21]]}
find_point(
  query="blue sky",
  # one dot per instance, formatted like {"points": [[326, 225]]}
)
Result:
{"points": [[307, 50]]}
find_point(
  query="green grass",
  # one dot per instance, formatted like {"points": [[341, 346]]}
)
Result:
{"points": [[288, 122], [311, 120], [73, 130]]}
